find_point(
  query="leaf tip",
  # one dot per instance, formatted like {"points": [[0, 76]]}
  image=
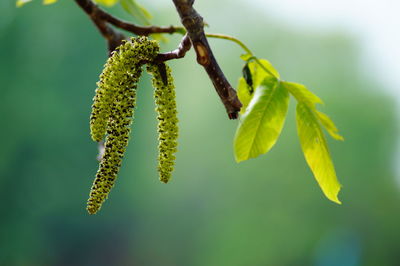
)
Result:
{"points": [[239, 159], [336, 200], [335, 135], [333, 196], [49, 2], [340, 137]]}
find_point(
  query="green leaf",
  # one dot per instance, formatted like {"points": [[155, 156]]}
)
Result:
{"points": [[329, 125], [108, 3], [137, 11], [301, 93], [263, 120], [312, 139], [316, 151], [20, 3]]}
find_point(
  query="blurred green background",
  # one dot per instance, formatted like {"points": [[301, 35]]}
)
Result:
{"points": [[266, 211]]}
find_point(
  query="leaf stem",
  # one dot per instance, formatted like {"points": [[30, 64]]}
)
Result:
{"points": [[230, 38], [244, 47], [262, 66]]}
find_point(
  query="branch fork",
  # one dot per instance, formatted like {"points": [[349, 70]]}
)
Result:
{"points": [[195, 36]]}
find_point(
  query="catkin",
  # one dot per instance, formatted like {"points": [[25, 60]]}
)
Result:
{"points": [[112, 111], [164, 95]]}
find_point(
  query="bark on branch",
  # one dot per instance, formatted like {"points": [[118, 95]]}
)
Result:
{"points": [[194, 25]]}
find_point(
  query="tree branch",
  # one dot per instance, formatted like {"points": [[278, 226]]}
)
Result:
{"points": [[98, 14], [194, 25]]}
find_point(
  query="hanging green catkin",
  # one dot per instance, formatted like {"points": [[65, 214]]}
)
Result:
{"points": [[164, 95], [112, 111]]}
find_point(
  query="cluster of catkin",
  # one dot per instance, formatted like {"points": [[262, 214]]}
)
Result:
{"points": [[112, 113]]}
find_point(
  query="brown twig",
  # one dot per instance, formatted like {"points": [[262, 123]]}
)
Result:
{"points": [[138, 30], [194, 26], [97, 13], [180, 52]]}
